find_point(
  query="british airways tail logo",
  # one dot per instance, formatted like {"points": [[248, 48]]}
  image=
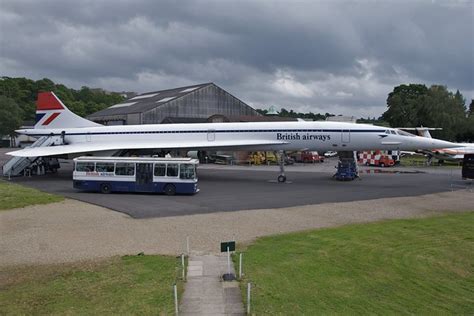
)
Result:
{"points": [[51, 117]]}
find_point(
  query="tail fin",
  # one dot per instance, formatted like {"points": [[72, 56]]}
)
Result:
{"points": [[422, 131], [52, 113]]}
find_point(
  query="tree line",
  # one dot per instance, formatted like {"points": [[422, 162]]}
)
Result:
{"points": [[416, 105], [307, 116], [18, 100]]}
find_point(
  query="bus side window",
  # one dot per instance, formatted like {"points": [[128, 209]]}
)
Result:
{"points": [[85, 166], [124, 169], [104, 167], [160, 170], [172, 170]]}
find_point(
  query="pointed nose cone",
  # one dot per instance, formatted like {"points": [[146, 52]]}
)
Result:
{"points": [[433, 143]]}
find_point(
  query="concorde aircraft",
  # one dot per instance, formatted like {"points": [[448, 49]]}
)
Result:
{"points": [[72, 135]]}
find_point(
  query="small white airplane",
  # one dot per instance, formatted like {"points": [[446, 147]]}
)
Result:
{"points": [[75, 135], [453, 153]]}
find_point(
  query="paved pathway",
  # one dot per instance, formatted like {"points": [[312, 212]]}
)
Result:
{"points": [[72, 231], [205, 293]]}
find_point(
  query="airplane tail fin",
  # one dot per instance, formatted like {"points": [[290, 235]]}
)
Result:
{"points": [[52, 113], [422, 131], [425, 132]]}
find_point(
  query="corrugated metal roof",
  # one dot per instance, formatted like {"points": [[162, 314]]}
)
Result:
{"points": [[147, 101]]}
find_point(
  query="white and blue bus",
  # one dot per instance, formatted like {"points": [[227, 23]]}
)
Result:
{"points": [[132, 174]]}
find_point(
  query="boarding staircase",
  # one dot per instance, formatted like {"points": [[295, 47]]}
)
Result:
{"points": [[347, 168], [17, 165]]}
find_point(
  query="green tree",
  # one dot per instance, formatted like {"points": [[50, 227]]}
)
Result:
{"points": [[403, 105], [82, 102], [262, 111], [416, 105], [11, 116], [45, 84]]}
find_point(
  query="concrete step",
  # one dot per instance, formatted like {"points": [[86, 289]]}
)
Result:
{"points": [[205, 293]]}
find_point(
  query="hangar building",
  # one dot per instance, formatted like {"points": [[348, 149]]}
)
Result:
{"points": [[192, 104]]}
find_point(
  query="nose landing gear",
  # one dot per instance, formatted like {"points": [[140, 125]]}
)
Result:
{"points": [[281, 160], [281, 178]]}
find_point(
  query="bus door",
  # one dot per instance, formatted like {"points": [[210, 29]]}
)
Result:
{"points": [[144, 177]]}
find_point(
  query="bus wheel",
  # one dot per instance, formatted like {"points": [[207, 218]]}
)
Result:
{"points": [[169, 189], [105, 188]]}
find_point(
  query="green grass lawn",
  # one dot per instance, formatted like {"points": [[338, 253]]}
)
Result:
{"points": [[420, 161], [13, 196], [141, 285], [419, 266]]}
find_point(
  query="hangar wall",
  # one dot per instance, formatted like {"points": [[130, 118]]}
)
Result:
{"points": [[202, 103], [191, 104]]}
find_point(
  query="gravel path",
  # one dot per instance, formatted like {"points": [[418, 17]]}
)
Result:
{"points": [[72, 231]]}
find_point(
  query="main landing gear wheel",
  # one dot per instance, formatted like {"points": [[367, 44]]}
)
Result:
{"points": [[281, 161], [169, 189], [105, 188]]}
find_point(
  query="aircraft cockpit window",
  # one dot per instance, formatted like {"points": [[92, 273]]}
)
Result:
{"points": [[387, 131], [393, 132]]}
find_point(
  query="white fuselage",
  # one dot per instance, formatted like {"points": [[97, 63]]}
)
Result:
{"points": [[317, 136]]}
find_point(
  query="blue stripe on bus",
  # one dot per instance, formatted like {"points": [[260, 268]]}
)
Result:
{"points": [[131, 186]]}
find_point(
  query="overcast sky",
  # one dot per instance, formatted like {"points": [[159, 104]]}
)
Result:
{"points": [[341, 57]]}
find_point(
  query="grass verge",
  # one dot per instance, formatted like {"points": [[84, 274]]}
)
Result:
{"points": [[139, 285], [14, 195], [417, 266], [420, 161]]}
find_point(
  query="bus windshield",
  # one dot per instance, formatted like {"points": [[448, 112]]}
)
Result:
{"points": [[187, 171]]}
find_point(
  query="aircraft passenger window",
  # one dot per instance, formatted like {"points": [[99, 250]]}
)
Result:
{"points": [[172, 170], [104, 167], [160, 170], [85, 166], [124, 169], [186, 171]]}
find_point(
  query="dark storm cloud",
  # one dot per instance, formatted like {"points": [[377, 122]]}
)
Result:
{"points": [[328, 56]]}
